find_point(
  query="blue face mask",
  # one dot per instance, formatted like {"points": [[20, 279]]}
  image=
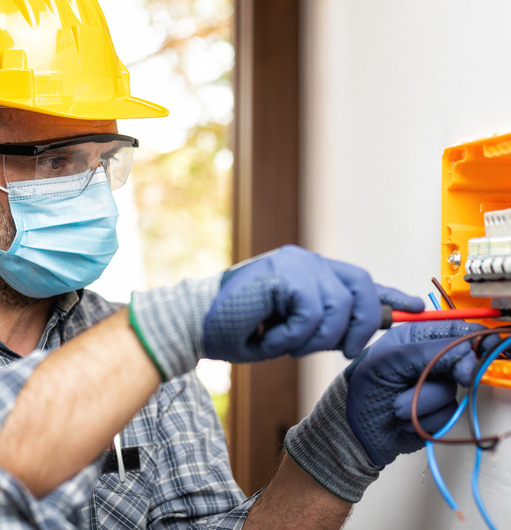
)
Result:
{"points": [[64, 239]]}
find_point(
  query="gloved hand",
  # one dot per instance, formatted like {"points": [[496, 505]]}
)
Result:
{"points": [[362, 422], [294, 301], [317, 303]]}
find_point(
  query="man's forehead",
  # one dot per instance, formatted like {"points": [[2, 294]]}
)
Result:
{"points": [[17, 125]]}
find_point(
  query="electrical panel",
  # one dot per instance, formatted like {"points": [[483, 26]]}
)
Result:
{"points": [[476, 231]]}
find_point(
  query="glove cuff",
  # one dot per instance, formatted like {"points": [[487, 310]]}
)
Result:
{"points": [[169, 322], [324, 445]]}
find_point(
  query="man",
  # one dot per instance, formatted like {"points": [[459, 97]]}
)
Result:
{"points": [[61, 90], [44, 440]]}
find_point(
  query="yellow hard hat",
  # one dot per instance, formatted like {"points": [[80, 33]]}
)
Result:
{"points": [[57, 57]]}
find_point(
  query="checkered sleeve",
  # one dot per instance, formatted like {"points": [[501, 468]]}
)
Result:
{"points": [[233, 520], [169, 322], [12, 379], [18, 508]]}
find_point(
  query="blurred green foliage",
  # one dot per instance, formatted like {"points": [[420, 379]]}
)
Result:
{"points": [[183, 200], [183, 197]]}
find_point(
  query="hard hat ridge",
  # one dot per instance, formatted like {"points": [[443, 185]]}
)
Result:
{"points": [[57, 57]]}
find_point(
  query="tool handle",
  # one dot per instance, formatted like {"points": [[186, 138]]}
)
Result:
{"points": [[390, 317]]}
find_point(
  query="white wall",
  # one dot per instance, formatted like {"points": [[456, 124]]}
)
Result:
{"points": [[388, 86]]}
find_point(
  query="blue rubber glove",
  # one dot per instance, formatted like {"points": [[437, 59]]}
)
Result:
{"points": [[362, 421], [381, 386], [297, 302]]}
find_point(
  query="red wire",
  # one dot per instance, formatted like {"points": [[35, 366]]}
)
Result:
{"points": [[447, 314]]}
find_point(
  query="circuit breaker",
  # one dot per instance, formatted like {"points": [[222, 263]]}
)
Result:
{"points": [[488, 262]]}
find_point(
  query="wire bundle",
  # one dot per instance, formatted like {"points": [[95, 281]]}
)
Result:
{"points": [[469, 403]]}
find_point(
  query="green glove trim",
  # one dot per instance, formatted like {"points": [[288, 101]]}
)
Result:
{"points": [[136, 328]]}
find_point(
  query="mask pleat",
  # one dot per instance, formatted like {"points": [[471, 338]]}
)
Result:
{"points": [[64, 241]]}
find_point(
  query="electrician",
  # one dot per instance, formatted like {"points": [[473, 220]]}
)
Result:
{"points": [[79, 369]]}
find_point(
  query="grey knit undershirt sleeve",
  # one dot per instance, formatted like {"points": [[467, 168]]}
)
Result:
{"points": [[324, 445], [170, 323]]}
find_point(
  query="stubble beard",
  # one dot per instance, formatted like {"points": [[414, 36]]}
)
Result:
{"points": [[9, 297]]}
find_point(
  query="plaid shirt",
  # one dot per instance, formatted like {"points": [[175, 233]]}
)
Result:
{"points": [[177, 466]]}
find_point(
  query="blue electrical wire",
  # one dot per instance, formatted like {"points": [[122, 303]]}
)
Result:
{"points": [[433, 465], [430, 448], [477, 464], [434, 301], [477, 494]]}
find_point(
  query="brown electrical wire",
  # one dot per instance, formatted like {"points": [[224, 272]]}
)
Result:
{"points": [[450, 303], [422, 379], [442, 292]]}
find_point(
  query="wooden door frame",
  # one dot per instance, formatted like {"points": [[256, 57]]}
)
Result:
{"points": [[265, 215]]}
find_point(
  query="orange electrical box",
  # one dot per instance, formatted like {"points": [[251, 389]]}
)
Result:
{"points": [[498, 374], [476, 178]]}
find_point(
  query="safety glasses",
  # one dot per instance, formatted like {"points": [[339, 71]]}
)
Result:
{"points": [[80, 155]]}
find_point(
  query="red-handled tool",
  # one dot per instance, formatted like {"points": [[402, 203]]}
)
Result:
{"points": [[390, 316]]}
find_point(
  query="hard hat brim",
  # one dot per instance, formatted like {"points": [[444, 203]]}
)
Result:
{"points": [[114, 109]]}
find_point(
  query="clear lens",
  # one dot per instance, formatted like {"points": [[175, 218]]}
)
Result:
{"points": [[82, 159], [118, 159]]}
